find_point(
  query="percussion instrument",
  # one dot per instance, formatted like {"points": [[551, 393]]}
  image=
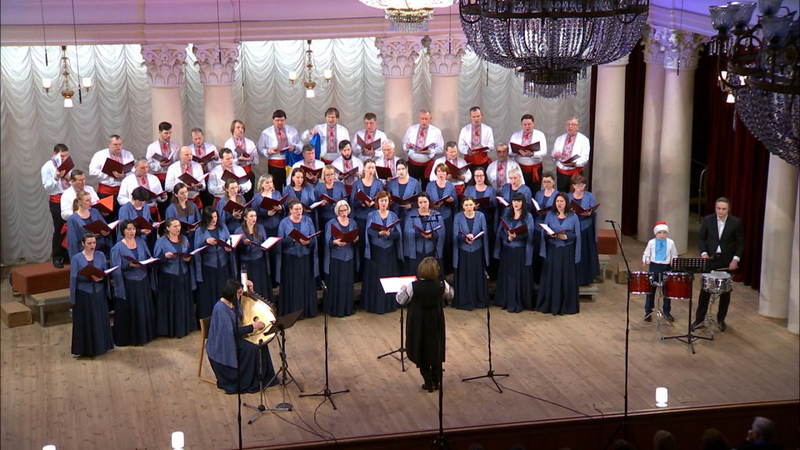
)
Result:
{"points": [[677, 285], [639, 283], [255, 308], [717, 282]]}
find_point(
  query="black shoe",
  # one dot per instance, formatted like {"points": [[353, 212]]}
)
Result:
{"points": [[722, 326], [669, 317], [58, 264], [648, 317], [427, 387], [697, 325], [436, 386]]}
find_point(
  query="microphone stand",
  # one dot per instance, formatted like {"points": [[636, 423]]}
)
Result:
{"points": [[625, 425], [326, 392], [238, 371], [490, 374]]}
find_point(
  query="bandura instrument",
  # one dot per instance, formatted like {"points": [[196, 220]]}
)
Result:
{"points": [[255, 308]]}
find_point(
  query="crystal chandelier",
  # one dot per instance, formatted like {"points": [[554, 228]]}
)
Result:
{"points": [[408, 16], [308, 74], [550, 42], [67, 86], [763, 72]]}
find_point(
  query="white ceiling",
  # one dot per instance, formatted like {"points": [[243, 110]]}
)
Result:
{"points": [[177, 21]]}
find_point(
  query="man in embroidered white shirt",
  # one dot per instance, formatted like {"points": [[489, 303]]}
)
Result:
{"points": [[162, 152], [476, 140], [275, 142], [369, 135], [529, 162], [55, 182], [423, 143], [571, 153], [331, 133]]}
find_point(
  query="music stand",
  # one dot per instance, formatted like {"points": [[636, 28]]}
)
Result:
{"points": [[281, 325], [392, 285], [260, 408], [690, 266]]}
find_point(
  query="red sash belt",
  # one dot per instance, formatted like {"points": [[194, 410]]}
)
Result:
{"points": [[55, 198], [197, 201], [106, 189], [460, 189], [247, 169], [277, 163], [533, 170], [64, 233], [572, 173], [161, 176]]}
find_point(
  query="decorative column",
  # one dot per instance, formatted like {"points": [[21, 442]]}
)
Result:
{"points": [[164, 65], [446, 54], [609, 139], [680, 61], [651, 131], [779, 225], [793, 325], [217, 68], [398, 58]]}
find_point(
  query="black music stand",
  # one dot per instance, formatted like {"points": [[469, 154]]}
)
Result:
{"points": [[402, 349], [690, 266], [281, 325], [260, 408]]}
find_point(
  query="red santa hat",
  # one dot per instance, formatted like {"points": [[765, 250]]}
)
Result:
{"points": [[661, 226]]}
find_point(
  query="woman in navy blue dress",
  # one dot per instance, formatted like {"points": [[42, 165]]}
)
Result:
{"points": [[589, 266], [486, 202], [213, 265], [423, 235], [402, 186], [514, 186], [137, 207], [384, 255], [184, 210], [438, 190], [175, 314], [341, 261], [231, 221], [514, 249], [470, 257], [269, 217], [544, 199], [236, 361], [301, 190], [370, 186], [134, 316], [83, 215], [252, 257], [561, 250], [91, 328], [299, 267]]}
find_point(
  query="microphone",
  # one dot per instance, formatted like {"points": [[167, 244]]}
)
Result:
{"points": [[610, 221]]}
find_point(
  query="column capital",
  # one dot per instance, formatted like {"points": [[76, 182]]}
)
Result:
{"points": [[164, 63], [216, 64], [622, 62], [681, 49], [652, 38], [398, 55], [446, 54]]}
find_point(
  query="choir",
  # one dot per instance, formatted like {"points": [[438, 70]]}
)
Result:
{"points": [[186, 226]]}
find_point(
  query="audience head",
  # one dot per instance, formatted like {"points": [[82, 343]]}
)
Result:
{"points": [[663, 440], [762, 429], [714, 440]]}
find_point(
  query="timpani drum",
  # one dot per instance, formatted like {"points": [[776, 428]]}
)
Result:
{"points": [[639, 283], [677, 285], [717, 282]]}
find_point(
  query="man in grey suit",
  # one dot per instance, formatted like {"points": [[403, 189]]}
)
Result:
{"points": [[721, 241]]}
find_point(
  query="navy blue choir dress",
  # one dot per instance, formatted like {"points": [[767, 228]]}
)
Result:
{"points": [[360, 213], [134, 313], [470, 262], [213, 267], [255, 260], [514, 289], [270, 224], [325, 212], [175, 316], [231, 223], [544, 203], [490, 214], [221, 348], [340, 267], [76, 230], [299, 269], [507, 192], [559, 291], [404, 191], [448, 211], [416, 246], [186, 216], [91, 328], [589, 265], [383, 258], [306, 196]]}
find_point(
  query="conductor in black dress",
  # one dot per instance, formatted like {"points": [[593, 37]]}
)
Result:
{"points": [[721, 241], [425, 325]]}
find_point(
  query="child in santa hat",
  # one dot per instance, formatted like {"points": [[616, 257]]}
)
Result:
{"points": [[657, 258]]}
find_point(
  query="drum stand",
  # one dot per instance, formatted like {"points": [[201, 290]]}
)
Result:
{"points": [[658, 301], [691, 265], [709, 322]]}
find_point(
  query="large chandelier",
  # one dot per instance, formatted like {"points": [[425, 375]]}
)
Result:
{"points": [[550, 42], [763, 72], [408, 16], [308, 73], [67, 85]]}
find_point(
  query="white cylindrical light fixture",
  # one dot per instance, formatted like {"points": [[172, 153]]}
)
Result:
{"points": [[662, 396], [177, 440], [49, 447], [47, 83], [68, 103], [292, 76], [328, 74], [730, 98], [310, 93], [86, 82]]}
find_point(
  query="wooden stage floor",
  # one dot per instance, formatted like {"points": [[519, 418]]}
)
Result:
{"points": [[559, 367]]}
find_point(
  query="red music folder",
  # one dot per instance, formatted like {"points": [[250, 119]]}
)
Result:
{"points": [[374, 145], [405, 201], [297, 235], [580, 210], [522, 228], [525, 150], [348, 237], [384, 173], [228, 175], [112, 166], [66, 165], [269, 202], [378, 227]]}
